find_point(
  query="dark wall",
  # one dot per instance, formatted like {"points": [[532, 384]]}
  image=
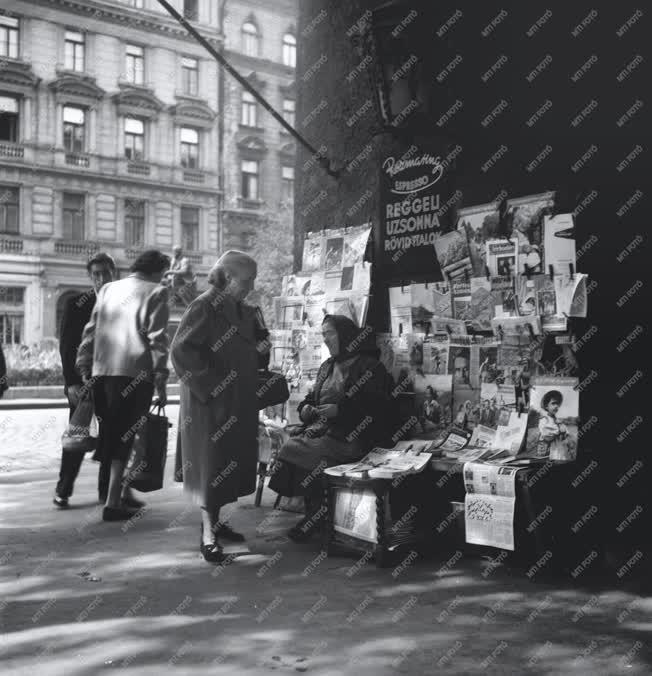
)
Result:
{"points": [[593, 68]]}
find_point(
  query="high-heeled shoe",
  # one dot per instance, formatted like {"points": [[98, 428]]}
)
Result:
{"points": [[213, 553]]}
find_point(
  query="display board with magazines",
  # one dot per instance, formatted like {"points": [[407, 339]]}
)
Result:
{"points": [[485, 356], [334, 279]]}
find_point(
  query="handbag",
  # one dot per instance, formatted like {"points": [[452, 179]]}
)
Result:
{"points": [[147, 463], [272, 389], [79, 434]]}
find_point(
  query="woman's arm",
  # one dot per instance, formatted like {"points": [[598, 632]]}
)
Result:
{"points": [[190, 353]]}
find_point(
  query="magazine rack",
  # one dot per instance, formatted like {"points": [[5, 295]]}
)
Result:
{"points": [[401, 505]]}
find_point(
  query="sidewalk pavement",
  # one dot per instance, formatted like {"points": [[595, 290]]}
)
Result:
{"points": [[80, 596]]}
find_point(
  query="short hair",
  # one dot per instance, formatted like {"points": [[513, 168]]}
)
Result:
{"points": [[150, 262], [100, 259], [230, 261], [553, 395]]}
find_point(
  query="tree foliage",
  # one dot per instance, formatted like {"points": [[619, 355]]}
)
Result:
{"points": [[272, 250]]}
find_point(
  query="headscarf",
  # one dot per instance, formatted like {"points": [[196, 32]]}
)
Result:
{"points": [[353, 341]]}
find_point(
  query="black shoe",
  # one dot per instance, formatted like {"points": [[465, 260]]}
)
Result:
{"points": [[61, 503], [118, 514], [212, 553], [227, 533]]}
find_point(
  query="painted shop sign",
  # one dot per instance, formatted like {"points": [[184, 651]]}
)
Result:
{"points": [[411, 200]]}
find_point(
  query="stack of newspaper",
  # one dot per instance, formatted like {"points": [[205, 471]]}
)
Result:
{"points": [[407, 457]]}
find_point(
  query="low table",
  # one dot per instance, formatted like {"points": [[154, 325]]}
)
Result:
{"points": [[378, 517]]}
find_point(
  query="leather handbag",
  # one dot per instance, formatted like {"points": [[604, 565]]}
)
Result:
{"points": [[147, 463], [272, 389]]}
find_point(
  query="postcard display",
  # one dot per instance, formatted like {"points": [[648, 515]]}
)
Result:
{"points": [[485, 356], [334, 279]]}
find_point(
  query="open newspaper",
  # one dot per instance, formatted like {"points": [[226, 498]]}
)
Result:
{"points": [[489, 505], [407, 457]]}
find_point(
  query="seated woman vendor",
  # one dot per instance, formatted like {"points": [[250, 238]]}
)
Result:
{"points": [[346, 413]]}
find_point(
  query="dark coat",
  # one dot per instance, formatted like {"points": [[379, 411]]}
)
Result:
{"points": [[365, 412], [76, 314], [214, 355]]}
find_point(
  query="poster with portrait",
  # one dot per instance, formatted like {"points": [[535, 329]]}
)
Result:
{"points": [[553, 418], [502, 257], [503, 296], [433, 402]]}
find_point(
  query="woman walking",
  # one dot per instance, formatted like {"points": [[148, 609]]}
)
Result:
{"points": [[124, 348], [215, 355]]}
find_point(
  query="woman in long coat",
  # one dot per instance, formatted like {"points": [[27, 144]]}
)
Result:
{"points": [[215, 356]]}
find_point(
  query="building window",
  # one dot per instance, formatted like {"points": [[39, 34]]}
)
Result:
{"points": [[287, 183], [74, 51], [135, 223], [250, 39], [191, 10], [248, 117], [289, 50], [8, 37], [135, 64], [9, 117], [250, 179], [189, 75], [74, 124], [289, 107], [189, 148], [138, 4], [8, 209], [73, 216], [134, 138], [12, 305], [190, 228]]}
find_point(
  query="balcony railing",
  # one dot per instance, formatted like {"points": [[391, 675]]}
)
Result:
{"points": [[75, 248], [77, 160], [11, 245], [193, 176], [12, 150], [139, 168]]}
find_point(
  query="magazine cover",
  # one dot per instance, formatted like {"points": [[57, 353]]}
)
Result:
{"points": [[502, 257], [509, 436], [480, 223], [296, 285], [334, 250], [354, 513], [312, 251], [481, 310], [442, 299], [553, 419], [435, 354], [527, 216], [488, 370], [571, 294], [288, 311], [281, 347], [355, 245], [559, 243], [526, 296], [444, 325], [546, 301], [433, 401], [503, 296], [453, 255], [497, 402], [462, 300], [400, 309], [422, 307]]}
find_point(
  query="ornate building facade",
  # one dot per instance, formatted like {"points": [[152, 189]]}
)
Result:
{"points": [[117, 134]]}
